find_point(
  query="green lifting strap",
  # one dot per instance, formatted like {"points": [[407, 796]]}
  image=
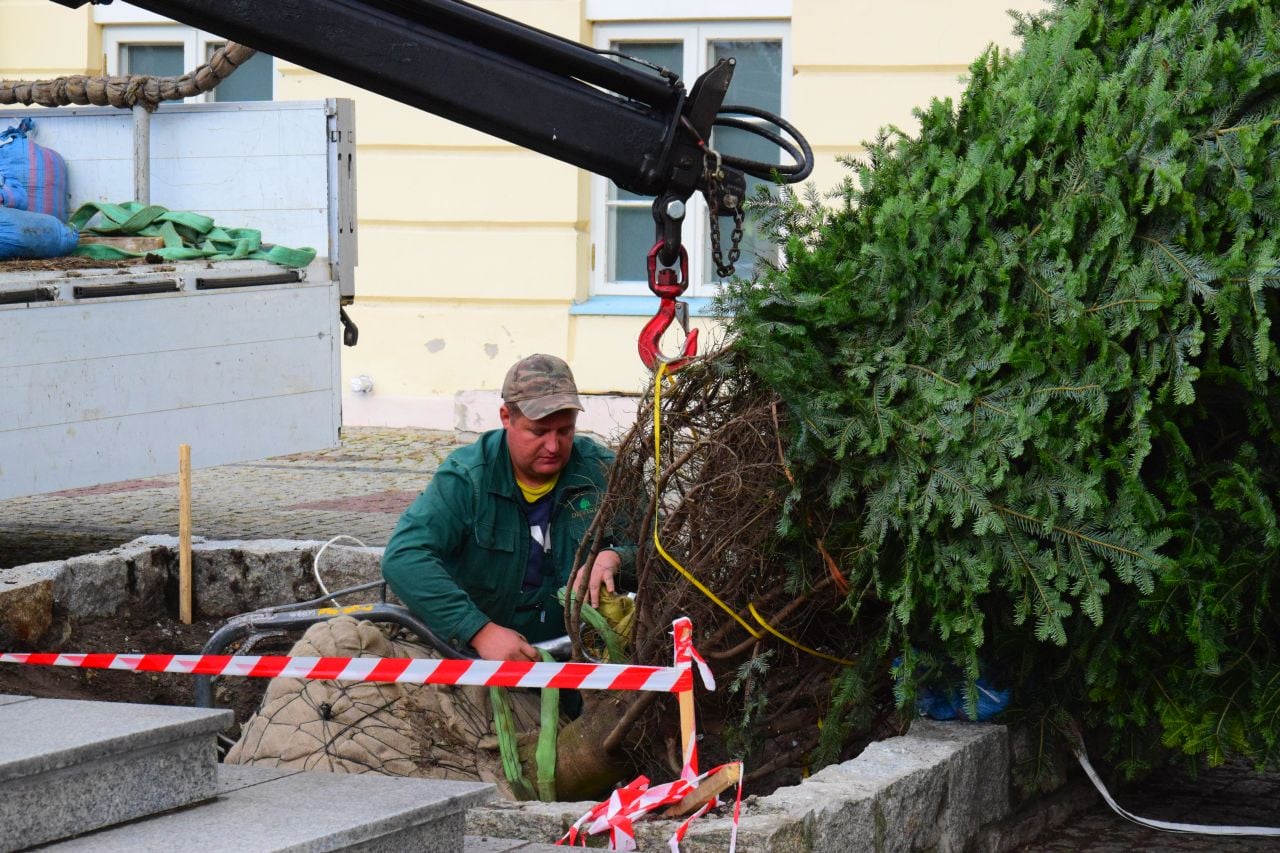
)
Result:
{"points": [[187, 236], [509, 748], [594, 618]]}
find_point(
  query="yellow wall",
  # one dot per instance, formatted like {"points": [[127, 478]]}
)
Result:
{"points": [[472, 250], [499, 268], [39, 39]]}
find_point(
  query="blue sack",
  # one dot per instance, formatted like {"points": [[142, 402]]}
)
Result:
{"points": [[942, 697], [32, 177], [24, 234], [948, 704]]}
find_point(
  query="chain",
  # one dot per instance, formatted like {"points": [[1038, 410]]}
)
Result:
{"points": [[714, 177]]}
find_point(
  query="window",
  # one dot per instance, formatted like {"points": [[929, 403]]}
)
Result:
{"points": [[622, 224], [168, 50]]}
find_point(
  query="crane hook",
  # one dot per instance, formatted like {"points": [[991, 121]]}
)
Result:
{"points": [[667, 283]]}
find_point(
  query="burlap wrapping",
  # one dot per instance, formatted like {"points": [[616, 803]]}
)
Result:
{"points": [[127, 91], [425, 731]]}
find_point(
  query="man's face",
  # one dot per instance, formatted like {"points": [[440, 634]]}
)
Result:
{"points": [[539, 449]]}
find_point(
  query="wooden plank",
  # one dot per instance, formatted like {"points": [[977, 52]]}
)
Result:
{"points": [[715, 784], [128, 244]]}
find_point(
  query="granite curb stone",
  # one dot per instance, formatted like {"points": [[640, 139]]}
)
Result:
{"points": [[80, 766], [931, 789], [230, 577]]}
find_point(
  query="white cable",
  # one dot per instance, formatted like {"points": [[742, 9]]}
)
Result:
{"points": [[315, 564], [1167, 826]]}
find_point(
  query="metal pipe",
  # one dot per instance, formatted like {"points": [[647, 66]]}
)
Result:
{"points": [[141, 155]]}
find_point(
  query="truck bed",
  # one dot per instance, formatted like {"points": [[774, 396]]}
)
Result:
{"points": [[107, 367]]}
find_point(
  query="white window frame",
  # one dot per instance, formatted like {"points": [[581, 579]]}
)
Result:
{"points": [[195, 46], [696, 36], [683, 10]]}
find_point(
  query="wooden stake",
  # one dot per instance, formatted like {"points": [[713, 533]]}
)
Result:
{"points": [[686, 722], [184, 533], [712, 786]]}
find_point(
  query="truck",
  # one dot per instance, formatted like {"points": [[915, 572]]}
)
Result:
{"points": [[88, 420], [105, 370]]}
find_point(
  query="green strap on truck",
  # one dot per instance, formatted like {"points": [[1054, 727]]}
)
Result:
{"points": [[509, 748], [187, 236]]}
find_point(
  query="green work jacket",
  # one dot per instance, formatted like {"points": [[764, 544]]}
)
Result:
{"points": [[457, 557]]}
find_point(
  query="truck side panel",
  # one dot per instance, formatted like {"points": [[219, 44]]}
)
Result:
{"points": [[261, 165], [102, 377]]}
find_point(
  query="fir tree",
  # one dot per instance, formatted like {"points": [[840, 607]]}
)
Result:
{"points": [[1031, 374]]}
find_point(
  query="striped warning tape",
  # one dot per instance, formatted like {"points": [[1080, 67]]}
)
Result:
{"points": [[485, 673], [616, 815]]}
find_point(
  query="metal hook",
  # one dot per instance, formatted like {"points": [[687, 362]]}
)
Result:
{"points": [[667, 283], [651, 336]]}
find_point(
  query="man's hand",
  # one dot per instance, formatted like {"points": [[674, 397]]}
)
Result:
{"points": [[494, 642], [601, 574]]}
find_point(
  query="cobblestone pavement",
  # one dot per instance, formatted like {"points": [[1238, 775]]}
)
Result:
{"points": [[360, 489]]}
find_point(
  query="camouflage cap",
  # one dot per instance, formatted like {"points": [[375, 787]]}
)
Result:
{"points": [[540, 385]]}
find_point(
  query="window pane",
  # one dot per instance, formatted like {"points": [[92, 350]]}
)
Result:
{"points": [[626, 195], [742, 143], [632, 232], [757, 78], [159, 60], [664, 54], [250, 82]]}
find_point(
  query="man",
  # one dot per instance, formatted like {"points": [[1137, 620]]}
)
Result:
{"points": [[481, 552]]}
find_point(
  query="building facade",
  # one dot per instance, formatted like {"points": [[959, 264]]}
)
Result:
{"points": [[473, 252]]}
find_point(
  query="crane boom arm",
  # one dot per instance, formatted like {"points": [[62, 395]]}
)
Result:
{"points": [[638, 128]]}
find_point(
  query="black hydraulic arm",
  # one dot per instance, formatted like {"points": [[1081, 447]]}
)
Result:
{"points": [[545, 93]]}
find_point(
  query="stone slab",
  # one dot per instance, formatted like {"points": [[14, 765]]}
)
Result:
{"points": [[230, 577], [58, 734], [259, 809], [101, 585], [8, 699], [68, 767], [532, 821], [26, 603], [483, 844]]}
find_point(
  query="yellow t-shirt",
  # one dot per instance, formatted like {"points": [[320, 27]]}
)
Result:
{"points": [[532, 493]]}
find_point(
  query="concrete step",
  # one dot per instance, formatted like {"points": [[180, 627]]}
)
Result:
{"points": [[68, 767], [259, 809]]}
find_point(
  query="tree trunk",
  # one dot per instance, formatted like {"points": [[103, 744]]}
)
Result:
{"points": [[584, 769]]}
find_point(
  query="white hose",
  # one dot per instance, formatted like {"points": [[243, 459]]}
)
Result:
{"points": [[1163, 825], [315, 564]]}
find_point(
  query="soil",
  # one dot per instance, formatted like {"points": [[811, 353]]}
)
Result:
{"points": [[69, 262]]}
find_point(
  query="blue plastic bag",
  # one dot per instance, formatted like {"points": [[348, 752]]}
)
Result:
{"points": [[948, 704], [32, 177], [942, 697], [24, 234]]}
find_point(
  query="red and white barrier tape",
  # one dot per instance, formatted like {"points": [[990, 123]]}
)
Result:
{"points": [[628, 804], [487, 673], [616, 815]]}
